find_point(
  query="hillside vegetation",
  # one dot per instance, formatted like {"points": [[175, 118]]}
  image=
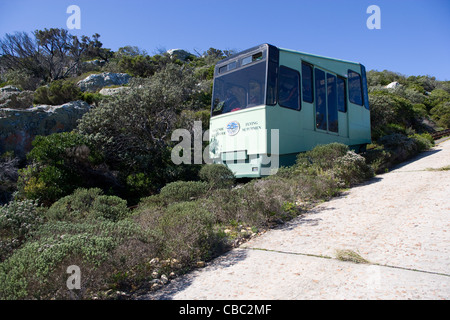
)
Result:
{"points": [[72, 195]]}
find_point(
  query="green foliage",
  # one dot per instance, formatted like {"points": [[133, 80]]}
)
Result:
{"points": [[396, 148], [351, 169], [38, 269], [18, 218], [218, 176], [387, 108], [183, 190], [138, 66], [88, 204], [186, 231], [134, 130], [59, 92], [139, 185], [441, 114], [91, 98], [321, 158], [59, 165]]}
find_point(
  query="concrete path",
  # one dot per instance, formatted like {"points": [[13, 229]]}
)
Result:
{"points": [[398, 221]]}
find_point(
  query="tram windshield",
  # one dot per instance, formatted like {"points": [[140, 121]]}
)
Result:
{"points": [[239, 89]]}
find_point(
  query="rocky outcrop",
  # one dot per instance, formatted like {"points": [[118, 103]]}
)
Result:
{"points": [[179, 54], [393, 85], [19, 127], [113, 91], [96, 82], [12, 97]]}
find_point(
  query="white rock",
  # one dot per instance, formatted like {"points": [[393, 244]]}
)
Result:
{"points": [[393, 85]]}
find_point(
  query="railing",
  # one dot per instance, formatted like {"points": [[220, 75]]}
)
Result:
{"points": [[440, 134]]}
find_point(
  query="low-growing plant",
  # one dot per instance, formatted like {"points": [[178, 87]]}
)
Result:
{"points": [[88, 204], [352, 168], [186, 231], [37, 270], [57, 93], [217, 175], [183, 190], [18, 218], [350, 255], [320, 158]]}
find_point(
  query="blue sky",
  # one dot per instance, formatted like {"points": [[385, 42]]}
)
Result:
{"points": [[414, 38]]}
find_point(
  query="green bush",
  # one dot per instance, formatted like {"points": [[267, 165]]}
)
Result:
{"points": [[423, 141], [351, 169], [217, 175], [183, 190], [59, 164], [186, 231], [88, 204], [38, 269], [57, 93], [395, 148], [139, 185], [91, 98], [44, 183], [17, 218], [321, 158]]}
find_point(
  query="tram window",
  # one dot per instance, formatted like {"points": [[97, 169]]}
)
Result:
{"points": [[256, 57], [223, 69], [341, 95], [332, 103], [289, 88], [354, 87], [321, 100], [307, 82], [228, 67]]}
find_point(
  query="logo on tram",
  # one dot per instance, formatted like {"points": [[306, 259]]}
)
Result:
{"points": [[233, 128]]}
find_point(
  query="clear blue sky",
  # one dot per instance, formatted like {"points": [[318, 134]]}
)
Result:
{"points": [[414, 38]]}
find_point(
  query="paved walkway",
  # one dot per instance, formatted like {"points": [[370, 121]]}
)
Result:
{"points": [[398, 221]]}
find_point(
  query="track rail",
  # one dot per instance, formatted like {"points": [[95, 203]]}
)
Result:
{"points": [[440, 134]]}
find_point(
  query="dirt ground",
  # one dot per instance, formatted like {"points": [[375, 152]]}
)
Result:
{"points": [[398, 221]]}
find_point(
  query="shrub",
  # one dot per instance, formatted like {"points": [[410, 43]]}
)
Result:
{"points": [[423, 141], [395, 148], [91, 98], [57, 93], [217, 175], [61, 162], [88, 204], [38, 269], [352, 168], [18, 218], [44, 183], [139, 184], [321, 157], [186, 231], [183, 190]]}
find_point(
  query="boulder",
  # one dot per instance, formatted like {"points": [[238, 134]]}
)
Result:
{"points": [[179, 54], [96, 82], [16, 99], [19, 127], [113, 91], [393, 85], [9, 89]]}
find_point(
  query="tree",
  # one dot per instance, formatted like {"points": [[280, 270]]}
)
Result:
{"points": [[52, 54], [133, 130]]}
